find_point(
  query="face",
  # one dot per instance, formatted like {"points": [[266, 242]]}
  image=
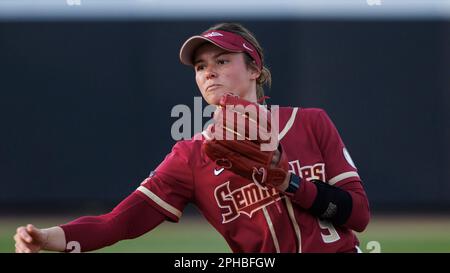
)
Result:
{"points": [[218, 72]]}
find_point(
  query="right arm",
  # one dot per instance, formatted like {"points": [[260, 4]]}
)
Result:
{"points": [[130, 219], [161, 196]]}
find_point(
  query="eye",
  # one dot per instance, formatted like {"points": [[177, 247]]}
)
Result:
{"points": [[199, 67], [222, 61]]}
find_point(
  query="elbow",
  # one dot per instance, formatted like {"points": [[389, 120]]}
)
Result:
{"points": [[360, 216], [360, 219], [362, 224]]}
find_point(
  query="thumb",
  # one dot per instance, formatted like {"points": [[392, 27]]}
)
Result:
{"points": [[35, 233], [207, 133]]}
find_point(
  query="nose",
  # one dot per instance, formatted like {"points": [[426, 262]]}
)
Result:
{"points": [[210, 73]]}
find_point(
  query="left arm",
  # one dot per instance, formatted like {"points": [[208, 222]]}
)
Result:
{"points": [[341, 199], [346, 205]]}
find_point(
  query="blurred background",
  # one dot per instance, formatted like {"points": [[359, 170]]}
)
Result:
{"points": [[87, 88]]}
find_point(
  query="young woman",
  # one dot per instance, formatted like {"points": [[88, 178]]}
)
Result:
{"points": [[317, 205]]}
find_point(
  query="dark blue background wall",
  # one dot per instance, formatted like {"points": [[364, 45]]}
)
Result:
{"points": [[85, 106]]}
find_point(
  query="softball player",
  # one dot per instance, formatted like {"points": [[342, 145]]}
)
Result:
{"points": [[310, 198]]}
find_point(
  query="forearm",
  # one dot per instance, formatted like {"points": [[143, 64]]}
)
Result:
{"points": [[343, 206], [360, 215], [130, 219], [89, 233]]}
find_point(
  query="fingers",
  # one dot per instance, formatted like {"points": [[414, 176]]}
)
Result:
{"points": [[207, 133], [33, 231], [24, 235], [22, 246]]}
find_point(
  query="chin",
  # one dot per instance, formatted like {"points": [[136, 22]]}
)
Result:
{"points": [[214, 98], [213, 101]]}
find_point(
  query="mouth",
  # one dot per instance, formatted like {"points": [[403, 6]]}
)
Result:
{"points": [[212, 86]]}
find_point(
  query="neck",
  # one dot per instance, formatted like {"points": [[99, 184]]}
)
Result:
{"points": [[251, 96]]}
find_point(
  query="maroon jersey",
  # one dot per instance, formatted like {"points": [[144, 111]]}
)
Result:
{"points": [[245, 214]]}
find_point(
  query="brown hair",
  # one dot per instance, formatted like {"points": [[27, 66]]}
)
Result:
{"points": [[265, 78]]}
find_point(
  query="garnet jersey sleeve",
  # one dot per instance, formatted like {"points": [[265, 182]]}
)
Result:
{"points": [[167, 190], [129, 219], [170, 187], [339, 166], [340, 171]]}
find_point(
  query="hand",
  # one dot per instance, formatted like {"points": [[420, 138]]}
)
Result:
{"points": [[30, 239], [236, 143], [275, 160]]}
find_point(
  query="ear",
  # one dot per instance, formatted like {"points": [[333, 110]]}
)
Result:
{"points": [[254, 71]]}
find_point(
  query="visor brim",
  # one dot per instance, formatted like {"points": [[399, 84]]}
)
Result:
{"points": [[190, 46]]}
